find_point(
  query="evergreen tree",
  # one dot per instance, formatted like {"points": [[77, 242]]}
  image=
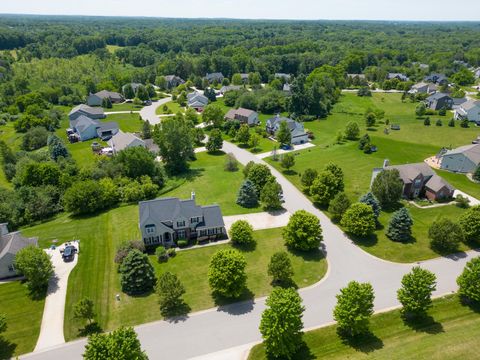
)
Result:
{"points": [[146, 130], [107, 103], [170, 291], [400, 226], [370, 119], [137, 275], [247, 195], [142, 93], [371, 200], [56, 147], [128, 91], [451, 123], [426, 122], [210, 94]]}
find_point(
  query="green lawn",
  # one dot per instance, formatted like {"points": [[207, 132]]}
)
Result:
{"points": [[400, 148], [451, 333], [126, 122], [95, 275], [24, 317], [124, 107], [173, 106]]}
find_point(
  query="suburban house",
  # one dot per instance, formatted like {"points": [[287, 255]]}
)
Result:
{"points": [[245, 116], [87, 128], [299, 135], [224, 89], [85, 110], [359, 76], [214, 77], [437, 79], [173, 81], [121, 141], [423, 88], [164, 221], [197, 101], [457, 102], [97, 98], [439, 101], [244, 77], [286, 89], [419, 180], [469, 110], [464, 159], [285, 77], [134, 86], [10, 244], [399, 76]]}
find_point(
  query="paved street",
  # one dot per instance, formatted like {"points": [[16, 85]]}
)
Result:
{"points": [[148, 112], [224, 329]]}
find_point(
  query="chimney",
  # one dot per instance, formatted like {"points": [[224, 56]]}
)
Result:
{"points": [[386, 162], [192, 195], [3, 229]]}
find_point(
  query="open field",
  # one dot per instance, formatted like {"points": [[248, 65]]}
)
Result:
{"points": [[451, 333], [24, 316]]}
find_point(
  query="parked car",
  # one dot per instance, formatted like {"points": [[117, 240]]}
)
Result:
{"points": [[286, 147], [69, 253]]}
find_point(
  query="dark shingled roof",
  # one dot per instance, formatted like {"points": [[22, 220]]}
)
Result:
{"points": [[13, 242]]}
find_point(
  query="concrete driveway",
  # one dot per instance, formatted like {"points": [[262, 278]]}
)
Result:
{"points": [[260, 221], [51, 330], [149, 112], [229, 329]]}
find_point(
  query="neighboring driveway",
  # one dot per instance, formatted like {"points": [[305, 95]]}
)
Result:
{"points": [[260, 221], [281, 151], [149, 112], [229, 329], [51, 330], [473, 201]]}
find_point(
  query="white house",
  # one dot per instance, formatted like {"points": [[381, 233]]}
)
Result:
{"points": [[469, 110]]}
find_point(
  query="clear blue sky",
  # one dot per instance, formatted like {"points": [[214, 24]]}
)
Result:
{"points": [[256, 9]]}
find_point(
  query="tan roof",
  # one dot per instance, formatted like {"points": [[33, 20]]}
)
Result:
{"points": [[436, 183], [408, 172]]}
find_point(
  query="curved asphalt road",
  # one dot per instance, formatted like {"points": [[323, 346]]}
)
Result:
{"points": [[235, 325], [148, 112]]}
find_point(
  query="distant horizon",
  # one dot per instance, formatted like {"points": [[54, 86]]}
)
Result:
{"points": [[240, 19], [301, 10]]}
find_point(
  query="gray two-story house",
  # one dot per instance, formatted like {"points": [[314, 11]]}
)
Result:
{"points": [[164, 221]]}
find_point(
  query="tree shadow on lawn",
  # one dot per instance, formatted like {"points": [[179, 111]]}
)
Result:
{"points": [[178, 314], [311, 256], [367, 241], [90, 329], [303, 353], [289, 172], [239, 306], [216, 153], [473, 305], [365, 343], [447, 254], [427, 324], [7, 348], [245, 247]]}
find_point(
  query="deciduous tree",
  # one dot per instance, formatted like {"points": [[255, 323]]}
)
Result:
{"points": [[34, 263], [280, 268], [303, 231], [170, 291], [359, 220], [388, 187], [469, 281], [241, 233], [416, 292], [226, 273], [445, 235], [281, 325]]}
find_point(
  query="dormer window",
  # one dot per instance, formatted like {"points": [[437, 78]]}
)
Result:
{"points": [[180, 223], [150, 229]]}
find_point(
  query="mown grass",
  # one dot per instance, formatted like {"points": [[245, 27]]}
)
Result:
{"points": [[451, 332], [24, 317], [124, 107], [172, 108], [400, 148], [95, 275]]}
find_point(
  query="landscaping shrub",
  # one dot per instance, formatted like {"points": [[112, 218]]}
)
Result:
{"points": [[359, 220], [161, 254], [445, 235], [182, 243], [171, 252], [241, 233]]}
